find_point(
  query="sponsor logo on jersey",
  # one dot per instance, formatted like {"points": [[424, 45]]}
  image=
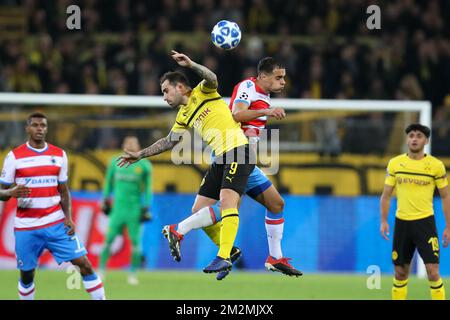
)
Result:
{"points": [[413, 181], [32, 181], [201, 117]]}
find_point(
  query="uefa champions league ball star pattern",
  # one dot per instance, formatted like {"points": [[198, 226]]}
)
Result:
{"points": [[226, 35]]}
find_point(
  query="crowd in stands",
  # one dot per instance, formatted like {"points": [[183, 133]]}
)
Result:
{"points": [[325, 45]]}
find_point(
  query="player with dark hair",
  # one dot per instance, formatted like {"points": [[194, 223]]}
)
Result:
{"points": [[44, 211], [203, 109], [250, 105], [415, 175]]}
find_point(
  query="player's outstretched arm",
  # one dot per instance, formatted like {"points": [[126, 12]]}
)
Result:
{"points": [[209, 76], [385, 202], [19, 191], [445, 198], [158, 147]]}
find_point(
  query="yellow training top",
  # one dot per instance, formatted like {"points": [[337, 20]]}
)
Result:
{"points": [[210, 116], [415, 181]]}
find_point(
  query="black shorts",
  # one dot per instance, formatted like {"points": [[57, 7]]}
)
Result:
{"points": [[228, 171], [415, 234]]}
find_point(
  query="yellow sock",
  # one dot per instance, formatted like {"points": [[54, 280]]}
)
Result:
{"points": [[437, 290], [230, 224], [400, 289], [213, 232]]}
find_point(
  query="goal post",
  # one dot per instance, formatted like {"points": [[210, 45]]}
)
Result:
{"points": [[422, 107]]}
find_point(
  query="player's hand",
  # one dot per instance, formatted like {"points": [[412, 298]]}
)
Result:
{"points": [[277, 113], [106, 206], [146, 215], [19, 191], [384, 230], [128, 158], [182, 59], [68, 223], [446, 237]]}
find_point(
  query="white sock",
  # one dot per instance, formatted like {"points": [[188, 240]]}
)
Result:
{"points": [[274, 229], [94, 287], [202, 218], [26, 292]]}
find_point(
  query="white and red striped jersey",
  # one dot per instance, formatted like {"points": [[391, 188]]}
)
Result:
{"points": [[41, 170], [249, 92]]}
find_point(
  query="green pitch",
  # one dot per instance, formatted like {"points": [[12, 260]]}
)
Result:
{"points": [[175, 285]]}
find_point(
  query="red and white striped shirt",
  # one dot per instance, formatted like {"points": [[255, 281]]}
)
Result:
{"points": [[249, 92], [41, 170]]}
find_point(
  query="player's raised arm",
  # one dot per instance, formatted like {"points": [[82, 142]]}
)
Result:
{"points": [[158, 147], [385, 202], [209, 76]]}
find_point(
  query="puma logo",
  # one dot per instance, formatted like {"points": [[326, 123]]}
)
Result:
{"points": [[231, 179]]}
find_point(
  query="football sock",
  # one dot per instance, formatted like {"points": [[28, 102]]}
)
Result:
{"points": [[104, 256], [274, 229], [26, 291], [399, 289], [200, 219], [135, 258], [94, 286], [213, 231], [437, 290], [230, 224]]}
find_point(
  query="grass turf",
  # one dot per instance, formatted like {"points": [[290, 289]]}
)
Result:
{"points": [[188, 285]]}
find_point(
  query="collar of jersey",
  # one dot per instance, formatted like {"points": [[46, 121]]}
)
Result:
{"points": [[37, 150], [424, 157], [258, 88]]}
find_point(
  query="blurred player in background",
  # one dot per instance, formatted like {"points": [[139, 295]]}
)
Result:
{"points": [[204, 109], [250, 105], [415, 176], [131, 190], [44, 210]]}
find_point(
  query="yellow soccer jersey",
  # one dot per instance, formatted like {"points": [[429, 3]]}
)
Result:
{"points": [[415, 182], [210, 116]]}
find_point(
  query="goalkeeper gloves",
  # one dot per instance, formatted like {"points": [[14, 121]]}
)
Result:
{"points": [[106, 206], [145, 214]]}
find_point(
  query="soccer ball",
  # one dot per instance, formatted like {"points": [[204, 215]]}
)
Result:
{"points": [[226, 35]]}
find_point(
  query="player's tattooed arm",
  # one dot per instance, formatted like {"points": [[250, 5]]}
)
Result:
{"points": [[158, 147], [161, 145], [209, 76]]}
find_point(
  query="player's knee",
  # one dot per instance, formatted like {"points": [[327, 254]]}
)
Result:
{"points": [[229, 199], [401, 274], [433, 274], [85, 267], [277, 206]]}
